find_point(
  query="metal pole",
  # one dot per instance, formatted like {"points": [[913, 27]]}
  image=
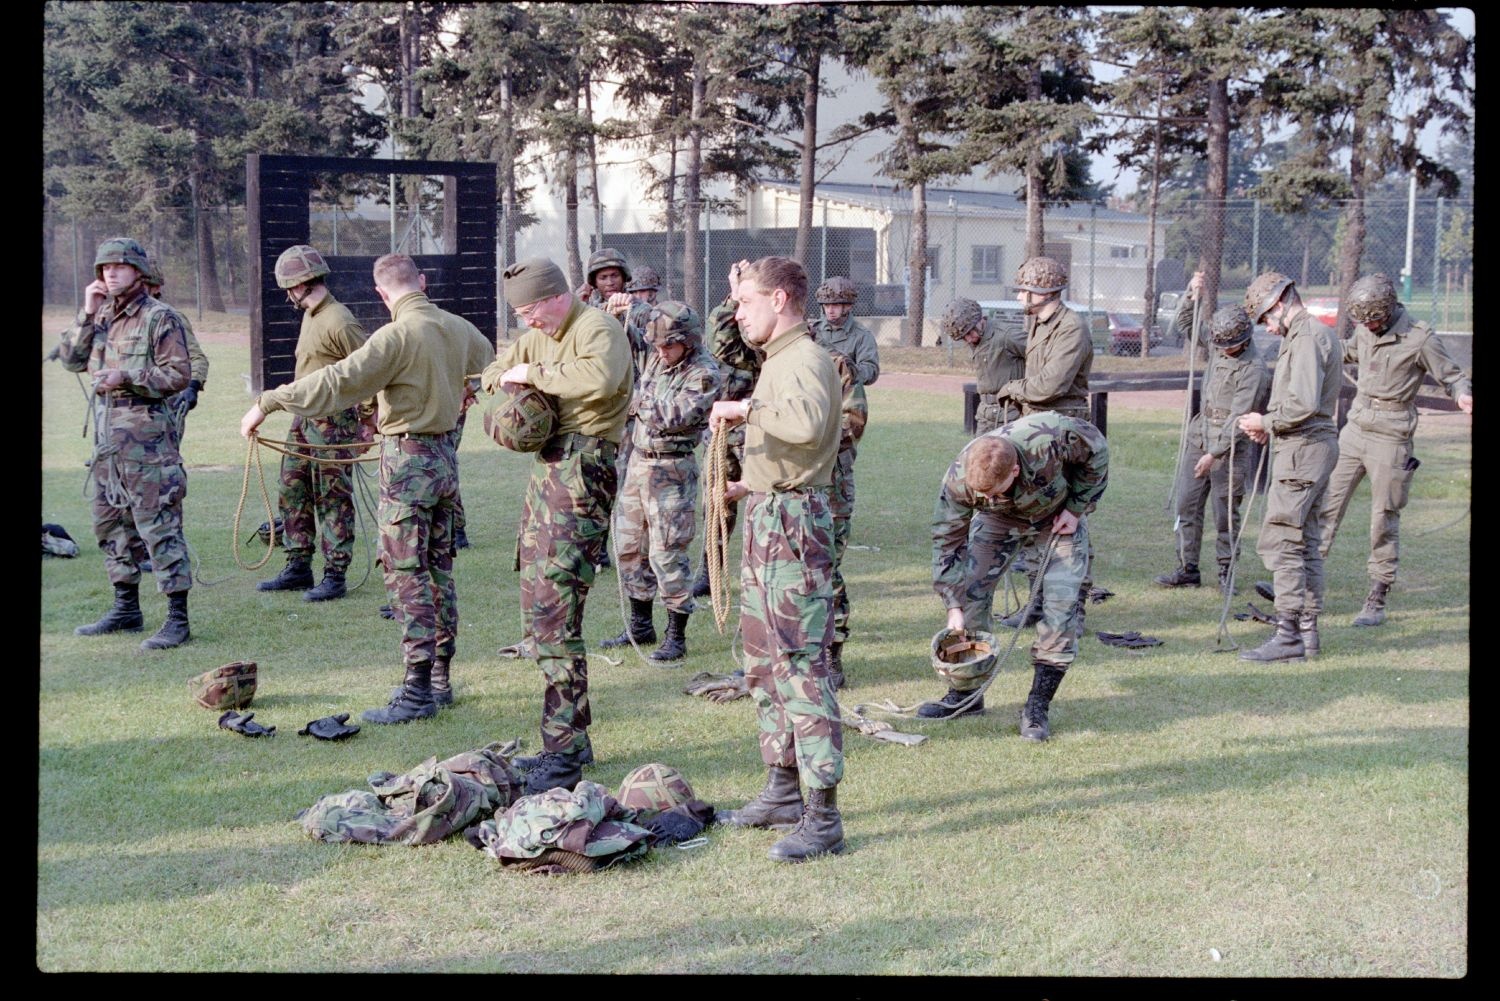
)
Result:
{"points": [[823, 248], [1255, 240], [335, 229], [1437, 248], [393, 204], [1093, 235], [78, 281], [197, 258], [707, 240], [1411, 235]]}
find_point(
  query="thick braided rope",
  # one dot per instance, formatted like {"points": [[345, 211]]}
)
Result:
{"points": [[252, 453], [716, 523]]}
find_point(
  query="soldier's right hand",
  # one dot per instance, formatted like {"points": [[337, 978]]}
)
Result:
{"points": [[94, 295], [956, 619]]}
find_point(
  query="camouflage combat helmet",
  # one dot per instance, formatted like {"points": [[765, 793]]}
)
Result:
{"points": [[121, 250], [521, 419], [1042, 275], [229, 687], [837, 289], [1372, 301], [645, 280], [962, 657], [1265, 292], [299, 264], [962, 316], [654, 787], [606, 257], [1229, 327], [673, 322], [152, 275]]}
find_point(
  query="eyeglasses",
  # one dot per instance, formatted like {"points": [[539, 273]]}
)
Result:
{"points": [[524, 312]]}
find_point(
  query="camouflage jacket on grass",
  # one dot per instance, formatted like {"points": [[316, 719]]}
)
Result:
{"points": [[588, 821], [422, 806]]}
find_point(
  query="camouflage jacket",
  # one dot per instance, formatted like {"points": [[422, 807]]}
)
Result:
{"points": [[1392, 366], [585, 366], [853, 340], [416, 366], [635, 332], [739, 363], [588, 821], [1228, 388], [792, 433], [1064, 464], [1305, 388], [999, 357], [1059, 356], [197, 360], [672, 404], [422, 806]]}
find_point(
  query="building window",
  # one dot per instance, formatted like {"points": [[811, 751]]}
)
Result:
{"points": [[1119, 251], [985, 266], [935, 264]]}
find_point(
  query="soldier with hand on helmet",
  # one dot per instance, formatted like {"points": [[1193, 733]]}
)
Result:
{"points": [[1016, 491], [1300, 416], [317, 498], [1235, 382], [858, 359], [1394, 352], [135, 348], [999, 357]]}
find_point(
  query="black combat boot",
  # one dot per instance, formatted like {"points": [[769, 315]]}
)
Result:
{"points": [[819, 832], [1285, 645], [297, 575], [413, 700], [1224, 582], [779, 804], [701, 587], [460, 539], [1373, 614], [174, 631], [331, 587], [1028, 615], [641, 629], [123, 617], [1307, 627], [442, 688], [674, 644], [1186, 575], [947, 706], [553, 769], [1044, 682], [585, 756], [1265, 589], [836, 664]]}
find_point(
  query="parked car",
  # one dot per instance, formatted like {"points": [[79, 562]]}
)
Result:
{"points": [[1125, 333], [1324, 308]]}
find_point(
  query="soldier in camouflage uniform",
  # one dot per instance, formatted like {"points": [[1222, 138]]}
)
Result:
{"points": [[633, 310], [186, 400], [315, 495], [1019, 489], [415, 366], [135, 349], [739, 365], [654, 517], [1394, 352], [578, 355], [792, 423], [999, 356], [1235, 382], [1304, 396], [855, 352]]}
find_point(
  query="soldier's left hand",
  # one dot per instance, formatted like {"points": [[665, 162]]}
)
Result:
{"points": [[618, 303], [517, 374], [729, 411], [107, 379], [1202, 466], [1066, 522], [733, 491], [191, 393], [251, 420], [1466, 403]]}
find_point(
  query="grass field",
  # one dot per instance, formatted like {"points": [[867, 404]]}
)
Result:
{"points": [[1194, 815]]}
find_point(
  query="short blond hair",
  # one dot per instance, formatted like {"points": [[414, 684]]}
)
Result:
{"points": [[772, 273], [989, 462], [395, 271]]}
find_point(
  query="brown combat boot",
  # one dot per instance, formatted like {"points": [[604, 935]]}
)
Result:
{"points": [[779, 804], [1284, 646], [820, 832], [1307, 627], [1373, 614]]}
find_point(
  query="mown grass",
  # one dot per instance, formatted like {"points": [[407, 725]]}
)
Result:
{"points": [[1307, 820]]}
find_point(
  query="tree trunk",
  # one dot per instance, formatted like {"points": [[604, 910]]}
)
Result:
{"points": [[1352, 249], [809, 160], [672, 219], [588, 108], [208, 272], [507, 170], [1211, 258], [1036, 235], [1148, 297], [570, 223], [916, 295], [692, 273]]}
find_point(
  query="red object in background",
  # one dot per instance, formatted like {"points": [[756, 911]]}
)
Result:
{"points": [[1324, 308], [1125, 334]]}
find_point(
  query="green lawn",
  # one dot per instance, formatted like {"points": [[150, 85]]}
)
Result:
{"points": [[1193, 816]]}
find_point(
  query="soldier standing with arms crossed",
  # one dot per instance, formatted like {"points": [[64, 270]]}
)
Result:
{"points": [[415, 366], [786, 576], [315, 495], [577, 354], [136, 350]]}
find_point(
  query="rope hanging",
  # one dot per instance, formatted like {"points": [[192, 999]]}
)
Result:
{"points": [[716, 523]]}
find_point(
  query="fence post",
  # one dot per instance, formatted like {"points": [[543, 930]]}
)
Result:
{"points": [[1093, 233], [78, 281], [708, 216], [823, 247], [1255, 240], [1437, 248]]}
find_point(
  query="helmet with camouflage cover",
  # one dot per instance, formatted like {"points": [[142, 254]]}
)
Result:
{"points": [[654, 787], [1372, 301], [121, 250], [1265, 292], [963, 658], [1229, 327], [837, 289], [152, 275], [521, 418], [606, 257], [673, 322], [229, 687], [299, 264], [646, 280], [962, 316], [1041, 274]]}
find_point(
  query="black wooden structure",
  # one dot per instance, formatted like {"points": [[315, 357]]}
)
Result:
{"points": [[462, 280]]}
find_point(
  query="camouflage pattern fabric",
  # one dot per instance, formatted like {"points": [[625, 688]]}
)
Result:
{"points": [[456, 436], [786, 584], [963, 658], [317, 499], [418, 488], [421, 806], [229, 687], [136, 446], [654, 787], [587, 821], [564, 517]]}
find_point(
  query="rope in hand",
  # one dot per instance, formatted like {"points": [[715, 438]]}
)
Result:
{"points": [[1223, 643], [252, 454], [716, 522]]}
